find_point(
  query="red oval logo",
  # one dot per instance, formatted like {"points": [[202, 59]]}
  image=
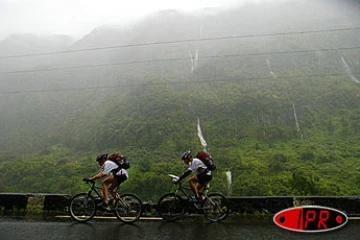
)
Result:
{"points": [[310, 219]]}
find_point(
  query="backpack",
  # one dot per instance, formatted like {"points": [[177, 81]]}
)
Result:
{"points": [[207, 160], [120, 160]]}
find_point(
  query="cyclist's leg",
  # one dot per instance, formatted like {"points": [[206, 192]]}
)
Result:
{"points": [[113, 187], [199, 187], [203, 180], [118, 180], [110, 180], [194, 185]]}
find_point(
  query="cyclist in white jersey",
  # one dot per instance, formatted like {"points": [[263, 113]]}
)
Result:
{"points": [[114, 177]]}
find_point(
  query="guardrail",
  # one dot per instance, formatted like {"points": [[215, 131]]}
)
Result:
{"points": [[33, 202], [38, 202]]}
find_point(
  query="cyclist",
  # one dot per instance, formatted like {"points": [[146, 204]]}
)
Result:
{"points": [[202, 175], [114, 176]]}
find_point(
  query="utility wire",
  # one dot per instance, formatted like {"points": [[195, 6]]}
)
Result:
{"points": [[179, 59], [172, 83], [182, 41]]}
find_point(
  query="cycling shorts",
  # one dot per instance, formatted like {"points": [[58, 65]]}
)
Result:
{"points": [[120, 178], [204, 178]]}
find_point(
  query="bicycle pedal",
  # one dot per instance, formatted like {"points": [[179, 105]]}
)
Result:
{"points": [[107, 208]]}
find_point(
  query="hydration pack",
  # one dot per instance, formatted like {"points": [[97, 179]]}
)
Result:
{"points": [[120, 160], [207, 160]]}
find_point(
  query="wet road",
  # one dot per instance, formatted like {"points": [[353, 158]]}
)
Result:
{"points": [[199, 229]]}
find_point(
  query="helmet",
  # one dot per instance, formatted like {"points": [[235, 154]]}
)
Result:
{"points": [[101, 156], [186, 155]]}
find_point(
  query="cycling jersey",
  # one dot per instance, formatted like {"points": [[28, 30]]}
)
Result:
{"points": [[108, 167], [198, 167]]}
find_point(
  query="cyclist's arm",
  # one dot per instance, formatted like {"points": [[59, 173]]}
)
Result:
{"points": [[97, 176], [106, 169], [184, 175]]}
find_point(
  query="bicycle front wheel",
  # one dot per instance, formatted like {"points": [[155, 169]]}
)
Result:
{"points": [[82, 207], [128, 208], [216, 207], [170, 207]]}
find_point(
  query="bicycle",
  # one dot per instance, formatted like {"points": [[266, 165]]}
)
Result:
{"points": [[83, 206], [215, 206]]}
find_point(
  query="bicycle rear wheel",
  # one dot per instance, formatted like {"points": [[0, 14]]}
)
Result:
{"points": [[82, 207], [128, 208], [170, 207], [216, 207]]}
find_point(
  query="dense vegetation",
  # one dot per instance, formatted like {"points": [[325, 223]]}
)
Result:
{"points": [[282, 123], [251, 133]]}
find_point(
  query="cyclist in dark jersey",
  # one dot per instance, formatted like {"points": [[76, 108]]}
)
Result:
{"points": [[202, 175]]}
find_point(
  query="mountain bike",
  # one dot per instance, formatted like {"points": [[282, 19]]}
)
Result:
{"points": [[171, 206], [127, 207]]}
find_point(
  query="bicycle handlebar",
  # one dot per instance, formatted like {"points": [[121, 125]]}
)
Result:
{"points": [[86, 180], [174, 179], [92, 182], [174, 176]]}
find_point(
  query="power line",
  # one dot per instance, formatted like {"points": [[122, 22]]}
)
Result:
{"points": [[180, 59], [182, 41], [173, 83]]}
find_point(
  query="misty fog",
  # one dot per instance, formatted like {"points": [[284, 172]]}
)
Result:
{"points": [[270, 38]]}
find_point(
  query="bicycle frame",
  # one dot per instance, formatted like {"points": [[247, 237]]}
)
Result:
{"points": [[114, 193], [214, 206], [83, 206], [95, 189], [185, 190]]}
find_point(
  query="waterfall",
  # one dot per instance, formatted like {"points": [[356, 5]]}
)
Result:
{"points": [[201, 137], [269, 66], [194, 61], [296, 119], [348, 70], [229, 181]]}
